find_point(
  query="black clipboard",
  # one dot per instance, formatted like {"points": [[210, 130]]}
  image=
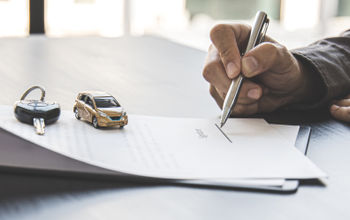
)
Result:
{"points": [[20, 156]]}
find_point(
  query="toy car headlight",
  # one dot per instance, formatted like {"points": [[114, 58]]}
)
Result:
{"points": [[102, 114]]}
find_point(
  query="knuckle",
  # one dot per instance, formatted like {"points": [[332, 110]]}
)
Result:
{"points": [[217, 31], [275, 53], [218, 99], [209, 71], [283, 49], [271, 49], [212, 91], [227, 53], [347, 112]]}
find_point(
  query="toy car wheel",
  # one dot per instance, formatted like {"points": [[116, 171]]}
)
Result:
{"points": [[122, 126], [95, 122], [76, 113]]}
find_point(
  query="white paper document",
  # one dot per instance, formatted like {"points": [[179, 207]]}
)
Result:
{"points": [[175, 148]]}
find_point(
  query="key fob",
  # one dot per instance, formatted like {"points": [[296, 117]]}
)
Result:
{"points": [[27, 110]]}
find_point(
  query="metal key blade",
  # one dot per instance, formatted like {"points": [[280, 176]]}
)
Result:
{"points": [[39, 125]]}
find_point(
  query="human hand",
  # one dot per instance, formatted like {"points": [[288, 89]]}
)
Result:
{"points": [[274, 77], [341, 109]]}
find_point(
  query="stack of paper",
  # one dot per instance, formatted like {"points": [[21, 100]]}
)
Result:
{"points": [[186, 149]]}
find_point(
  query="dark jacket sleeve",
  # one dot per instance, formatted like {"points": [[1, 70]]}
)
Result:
{"points": [[329, 62]]}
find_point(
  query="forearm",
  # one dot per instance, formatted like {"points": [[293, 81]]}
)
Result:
{"points": [[327, 62]]}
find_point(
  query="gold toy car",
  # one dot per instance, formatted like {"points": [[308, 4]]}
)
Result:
{"points": [[100, 108]]}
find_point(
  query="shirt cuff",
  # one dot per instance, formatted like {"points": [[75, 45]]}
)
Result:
{"points": [[319, 97]]}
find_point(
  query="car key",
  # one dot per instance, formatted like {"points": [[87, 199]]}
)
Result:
{"points": [[37, 112]]}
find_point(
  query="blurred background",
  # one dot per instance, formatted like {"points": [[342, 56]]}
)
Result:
{"points": [[293, 22]]}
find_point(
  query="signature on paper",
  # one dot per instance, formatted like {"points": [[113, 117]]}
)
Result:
{"points": [[200, 133]]}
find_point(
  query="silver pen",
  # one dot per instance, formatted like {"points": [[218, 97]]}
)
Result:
{"points": [[256, 36]]}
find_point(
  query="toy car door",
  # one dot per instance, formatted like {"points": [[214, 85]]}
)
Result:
{"points": [[83, 110], [88, 109], [80, 105]]}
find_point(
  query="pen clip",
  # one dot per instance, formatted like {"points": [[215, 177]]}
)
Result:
{"points": [[263, 31], [258, 30]]}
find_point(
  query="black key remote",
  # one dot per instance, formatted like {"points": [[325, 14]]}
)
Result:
{"points": [[37, 112]]}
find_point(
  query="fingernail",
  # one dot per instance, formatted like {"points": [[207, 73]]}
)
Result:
{"points": [[249, 65], [334, 107], [253, 94], [231, 70]]}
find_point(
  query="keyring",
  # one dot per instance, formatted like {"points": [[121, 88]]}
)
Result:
{"points": [[33, 88]]}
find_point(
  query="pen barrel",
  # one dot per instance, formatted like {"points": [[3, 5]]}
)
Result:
{"points": [[231, 97], [256, 33], [233, 91]]}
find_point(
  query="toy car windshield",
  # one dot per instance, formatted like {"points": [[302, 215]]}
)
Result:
{"points": [[106, 102]]}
